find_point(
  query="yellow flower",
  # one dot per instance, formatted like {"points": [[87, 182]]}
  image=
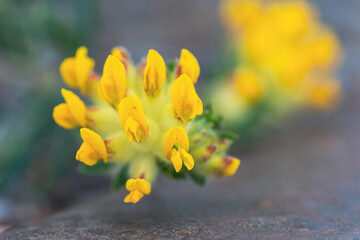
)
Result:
{"points": [[131, 123], [291, 19], [72, 113], [77, 71], [188, 64], [154, 73], [186, 103], [93, 148], [133, 119], [248, 85], [176, 147], [112, 86], [137, 188]]}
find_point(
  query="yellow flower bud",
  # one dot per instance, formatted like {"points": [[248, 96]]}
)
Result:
{"points": [[186, 103], [176, 147], [76, 71], [230, 165], [121, 54], [137, 188], [133, 119], [112, 86], [188, 64], [72, 113], [93, 148], [223, 166], [205, 153], [154, 73]]}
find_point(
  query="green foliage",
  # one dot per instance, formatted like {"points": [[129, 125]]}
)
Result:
{"points": [[33, 148], [26, 26], [197, 178], [169, 170], [98, 169], [119, 178], [211, 117], [170, 66]]}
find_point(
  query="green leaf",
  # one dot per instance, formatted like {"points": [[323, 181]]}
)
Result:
{"points": [[119, 179], [97, 169], [197, 178], [228, 135], [169, 170], [171, 66]]}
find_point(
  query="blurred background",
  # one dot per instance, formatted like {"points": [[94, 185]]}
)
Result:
{"points": [[38, 173]]}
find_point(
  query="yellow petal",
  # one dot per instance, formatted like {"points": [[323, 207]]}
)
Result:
{"points": [[131, 107], [154, 73], [144, 186], [131, 184], [177, 137], [132, 129], [93, 148], [122, 54], [84, 65], [133, 196], [176, 159], [116, 52], [76, 71], [189, 65], [186, 103], [137, 188], [76, 107], [87, 154], [186, 158], [67, 71], [63, 116], [112, 85]]}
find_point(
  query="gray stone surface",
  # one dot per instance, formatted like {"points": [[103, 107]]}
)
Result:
{"points": [[300, 182]]}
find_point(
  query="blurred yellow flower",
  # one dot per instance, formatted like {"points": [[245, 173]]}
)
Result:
{"points": [[324, 94], [288, 44], [248, 84]]}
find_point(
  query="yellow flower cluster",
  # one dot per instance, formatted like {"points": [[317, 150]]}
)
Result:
{"points": [[282, 50], [142, 119]]}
